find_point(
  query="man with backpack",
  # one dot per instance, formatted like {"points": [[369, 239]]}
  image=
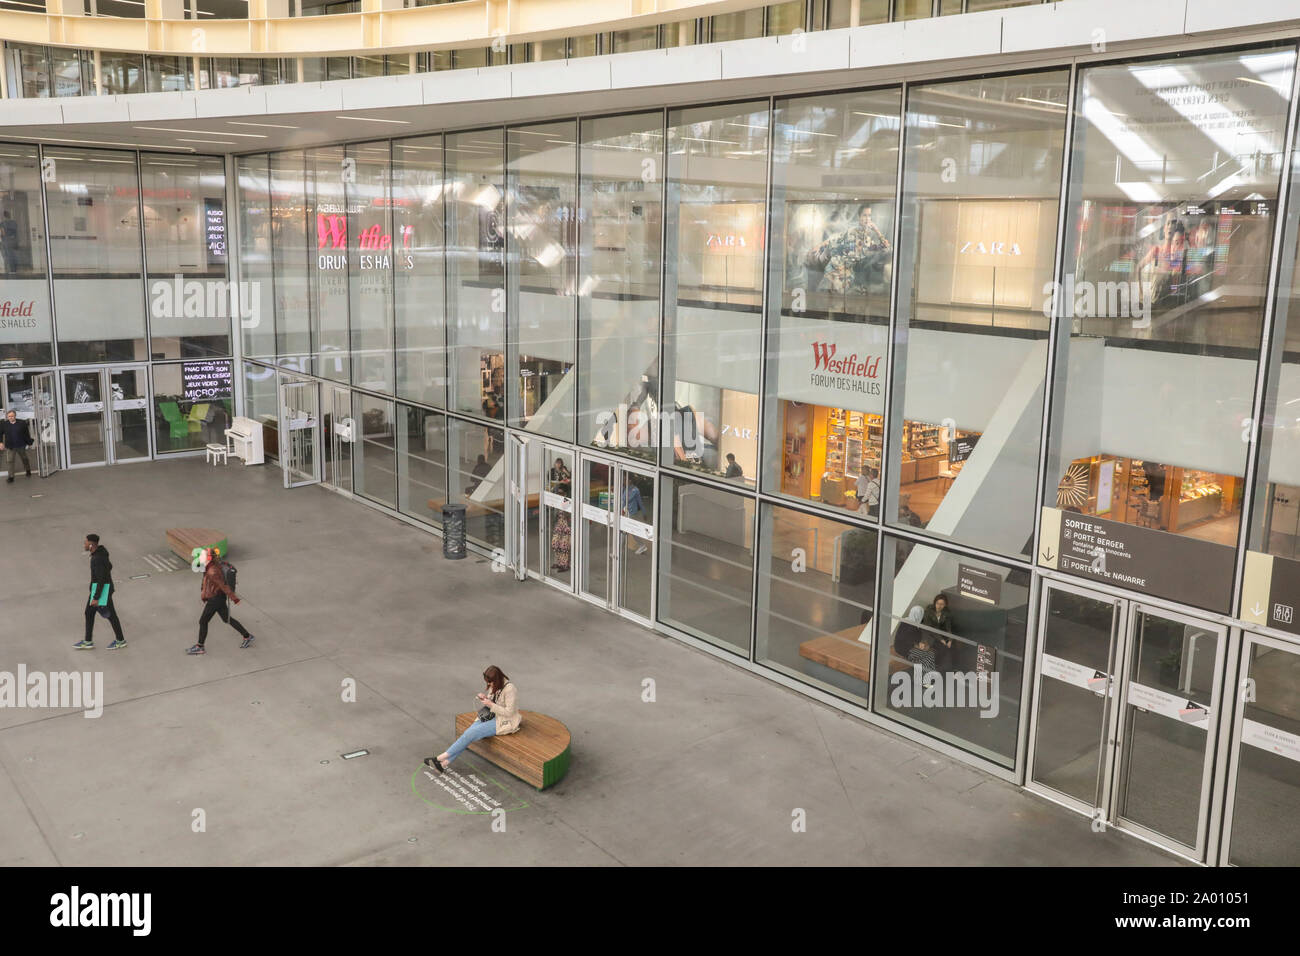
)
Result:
{"points": [[218, 584]]}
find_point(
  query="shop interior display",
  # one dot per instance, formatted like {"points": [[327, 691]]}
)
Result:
{"points": [[1144, 493]]}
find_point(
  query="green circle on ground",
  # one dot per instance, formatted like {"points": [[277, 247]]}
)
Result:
{"points": [[472, 793]]}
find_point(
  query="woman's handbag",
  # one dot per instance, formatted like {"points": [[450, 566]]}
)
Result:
{"points": [[485, 713]]}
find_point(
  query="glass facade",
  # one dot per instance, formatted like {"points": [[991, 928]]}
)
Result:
{"points": [[841, 336], [115, 282], [851, 386]]}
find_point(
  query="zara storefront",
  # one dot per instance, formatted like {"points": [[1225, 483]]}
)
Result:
{"points": [[962, 405]]}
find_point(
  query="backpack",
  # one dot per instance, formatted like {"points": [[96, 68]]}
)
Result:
{"points": [[229, 572]]}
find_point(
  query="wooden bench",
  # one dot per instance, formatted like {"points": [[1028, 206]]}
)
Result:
{"points": [[537, 753], [183, 541], [842, 651]]}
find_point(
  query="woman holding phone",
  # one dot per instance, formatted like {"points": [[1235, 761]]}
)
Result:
{"points": [[498, 714]]}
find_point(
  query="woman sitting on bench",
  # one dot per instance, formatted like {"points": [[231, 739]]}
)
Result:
{"points": [[497, 715]]}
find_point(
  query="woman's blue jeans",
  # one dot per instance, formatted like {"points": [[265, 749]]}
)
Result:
{"points": [[475, 731]]}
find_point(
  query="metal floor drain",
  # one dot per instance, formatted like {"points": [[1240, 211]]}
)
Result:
{"points": [[164, 562]]}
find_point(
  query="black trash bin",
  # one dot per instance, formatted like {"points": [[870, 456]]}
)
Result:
{"points": [[453, 531]]}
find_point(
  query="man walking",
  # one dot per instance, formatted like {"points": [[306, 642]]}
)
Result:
{"points": [[213, 591], [14, 439], [101, 596]]}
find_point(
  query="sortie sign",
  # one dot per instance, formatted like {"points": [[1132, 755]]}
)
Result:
{"points": [[1167, 565]]}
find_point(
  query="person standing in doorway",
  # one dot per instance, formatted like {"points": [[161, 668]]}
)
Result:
{"points": [[14, 441], [101, 596], [634, 508], [213, 592]]}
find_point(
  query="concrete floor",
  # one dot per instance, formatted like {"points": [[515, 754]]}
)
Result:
{"points": [[710, 773]]}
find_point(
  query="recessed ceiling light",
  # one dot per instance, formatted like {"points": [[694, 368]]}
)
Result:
{"points": [[209, 142], [266, 125], [203, 132], [371, 119]]}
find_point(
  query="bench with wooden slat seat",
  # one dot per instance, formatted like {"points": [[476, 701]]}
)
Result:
{"points": [[842, 651], [183, 541], [537, 753]]}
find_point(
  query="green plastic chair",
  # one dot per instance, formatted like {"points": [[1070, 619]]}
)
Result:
{"points": [[197, 414], [178, 427]]}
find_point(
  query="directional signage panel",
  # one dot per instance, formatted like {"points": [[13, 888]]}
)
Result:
{"points": [[1172, 566]]}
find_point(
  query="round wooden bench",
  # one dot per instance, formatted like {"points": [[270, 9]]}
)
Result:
{"points": [[537, 753], [183, 541]]}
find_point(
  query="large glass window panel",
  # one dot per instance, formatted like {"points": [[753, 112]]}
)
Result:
{"points": [[717, 186], [706, 562], [374, 463], [618, 292], [419, 278], [261, 404], [477, 479], [785, 18], [1275, 517], [542, 251], [193, 404], [295, 243], [976, 245], [34, 70], [256, 227], [476, 295], [371, 251], [166, 74], [816, 599], [839, 13], [912, 9], [94, 209], [421, 463], [26, 334], [834, 174], [190, 303], [1173, 193], [950, 646], [327, 270], [69, 76], [638, 38], [122, 73], [741, 25]]}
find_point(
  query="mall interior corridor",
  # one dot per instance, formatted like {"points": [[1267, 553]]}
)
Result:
{"points": [[712, 771]]}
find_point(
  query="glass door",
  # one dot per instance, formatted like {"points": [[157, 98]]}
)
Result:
{"points": [[341, 429], [555, 518], [1125, 715], [299, 433], [636, 542], [517, 518], [1078, 632], [1264, 773], [1169, 708], [595, 529], [46, 418], [84, 413], [128, 414]]}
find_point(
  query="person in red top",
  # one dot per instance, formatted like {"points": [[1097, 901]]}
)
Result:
{"points": [[213, 593]]}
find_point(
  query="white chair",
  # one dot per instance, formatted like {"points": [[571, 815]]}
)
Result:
{"points": [[217, 451]]}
